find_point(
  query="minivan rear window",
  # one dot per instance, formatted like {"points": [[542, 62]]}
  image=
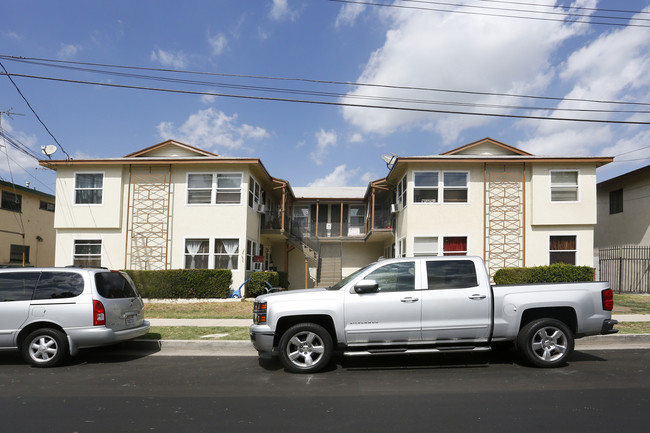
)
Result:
{"points": [[17, 286], [112, 285], [59, 285]]}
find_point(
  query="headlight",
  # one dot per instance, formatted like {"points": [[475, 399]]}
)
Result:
{"points": [[259, 312]]}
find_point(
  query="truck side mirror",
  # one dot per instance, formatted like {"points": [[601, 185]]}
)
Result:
{"points": [[366, 286]]}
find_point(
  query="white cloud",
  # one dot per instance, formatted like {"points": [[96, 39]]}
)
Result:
{"points": [[349, 14], [356, 138], [68, 51], [457, 52], [343, 176], [280, 10], [325, 140], [208, 99], [169, 58], [19, 164], [213, 130], [218, 43]]}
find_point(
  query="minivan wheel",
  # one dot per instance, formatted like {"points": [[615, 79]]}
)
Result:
{"points": [[305, 348], [545, 343], [45, 347]]}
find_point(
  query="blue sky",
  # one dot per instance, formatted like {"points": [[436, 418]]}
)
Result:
{"points": [[300, 50]]}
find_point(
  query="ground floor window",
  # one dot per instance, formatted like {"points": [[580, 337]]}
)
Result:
{"points": [[562, 249], [197, 253], [87, 252], [19, 254], [425, 246], [226, 253], [454, 246]]}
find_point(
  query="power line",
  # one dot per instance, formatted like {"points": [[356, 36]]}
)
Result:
{"points": [[571, 7], [343, 104], [32, 109], [56, 63], [496, 15]]}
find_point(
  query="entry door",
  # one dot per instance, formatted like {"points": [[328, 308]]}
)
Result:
{"points": [[392, 314], [455, 307]]}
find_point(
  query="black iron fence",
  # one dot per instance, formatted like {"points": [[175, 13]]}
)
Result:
{"points": [[626, 268]]}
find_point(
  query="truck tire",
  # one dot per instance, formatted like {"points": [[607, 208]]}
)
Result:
{"points": [[306, 348], [545, 343], [46, 347]]}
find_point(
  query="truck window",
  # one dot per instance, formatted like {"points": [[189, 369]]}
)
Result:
{"points": [[17, 286], [394, 277], [112, 285], [59, 285], [451, 274]]}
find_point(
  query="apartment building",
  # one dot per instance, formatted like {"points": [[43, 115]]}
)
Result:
{"points": [[173, 206]]}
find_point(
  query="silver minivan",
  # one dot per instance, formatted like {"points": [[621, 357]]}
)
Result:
{"points": [[48, 313]]}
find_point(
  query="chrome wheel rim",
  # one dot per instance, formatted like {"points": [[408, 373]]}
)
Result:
{"points": [[43, 348], [305, 349], [549, 344]]}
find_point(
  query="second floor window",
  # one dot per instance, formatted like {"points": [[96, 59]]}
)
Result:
{"points": [[217, 188], [88, 188], [11, 201], [454, 187], [564, 185], [425, 187]]}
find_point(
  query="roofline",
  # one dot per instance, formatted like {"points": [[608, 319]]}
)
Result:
{"points": [[166, 142], [624, 176], [27, 190], [483, 140]]}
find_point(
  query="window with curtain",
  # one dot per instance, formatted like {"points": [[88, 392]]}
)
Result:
{"points": [[564, 185], [455, 246], [87, 252], [88, 188], [425, 246], [197, 253], [226, 253], [199, 188], [455, 187], [425, 186], [562, 249]]}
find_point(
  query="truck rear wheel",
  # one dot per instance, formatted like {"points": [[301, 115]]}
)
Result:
{"points": [[545, 343], [306, 348]]}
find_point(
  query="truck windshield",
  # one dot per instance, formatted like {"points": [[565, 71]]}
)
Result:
{"points": [[349, 278]]}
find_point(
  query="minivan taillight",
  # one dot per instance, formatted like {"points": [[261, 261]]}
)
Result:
{"points": [[99, 314], [608, 299]]}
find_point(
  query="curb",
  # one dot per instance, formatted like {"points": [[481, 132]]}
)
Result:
{"points": [[245, 348]]}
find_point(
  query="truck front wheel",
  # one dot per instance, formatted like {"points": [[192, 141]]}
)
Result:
{"points": [[545, 343], [305, 348]]}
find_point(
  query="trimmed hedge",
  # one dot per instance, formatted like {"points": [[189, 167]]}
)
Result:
{"points": [[256, 286], [183, 283], [556, 273]]}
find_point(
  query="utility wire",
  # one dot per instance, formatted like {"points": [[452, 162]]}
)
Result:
{"points": [[456, 11], [32, 109], [46, 62], [343, 104], [571, 7]]}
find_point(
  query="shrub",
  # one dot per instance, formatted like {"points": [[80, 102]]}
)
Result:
{"points": [[183, 283], [256, 286], [556, 273]]}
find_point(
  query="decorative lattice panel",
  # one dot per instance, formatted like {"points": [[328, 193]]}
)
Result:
{"points": [[505, 204], [148, 223]]}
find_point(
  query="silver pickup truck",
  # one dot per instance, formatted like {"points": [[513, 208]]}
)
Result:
{"points": [[427, 304]]}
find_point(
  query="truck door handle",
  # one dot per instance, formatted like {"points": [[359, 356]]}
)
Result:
{"points": [[409, 300], [477, 297]]}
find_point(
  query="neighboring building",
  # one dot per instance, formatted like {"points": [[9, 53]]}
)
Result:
{"points": [[176, 206], [27, 235], [624, 210]]}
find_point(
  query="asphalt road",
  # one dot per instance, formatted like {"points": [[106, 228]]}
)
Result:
{"points": [[104, 391]]}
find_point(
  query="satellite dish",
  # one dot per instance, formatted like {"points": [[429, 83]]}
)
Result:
{"points": [[49, 150], [389, 160]]}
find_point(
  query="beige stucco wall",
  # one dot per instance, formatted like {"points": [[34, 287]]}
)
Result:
{"points": [[35, 223], [538, 238]]}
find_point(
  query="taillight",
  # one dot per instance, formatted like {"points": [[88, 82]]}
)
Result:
{"points": [[608, 299], [99, 314]]}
